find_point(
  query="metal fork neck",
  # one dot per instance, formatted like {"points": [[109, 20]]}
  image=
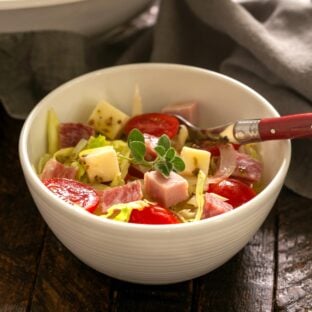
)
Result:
{"points": [[247, 131]]}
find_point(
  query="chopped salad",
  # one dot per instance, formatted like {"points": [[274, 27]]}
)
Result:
{"points": [[144, 169]]}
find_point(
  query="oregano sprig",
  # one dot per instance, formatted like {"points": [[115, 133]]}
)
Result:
{"points": [[167, 159]]}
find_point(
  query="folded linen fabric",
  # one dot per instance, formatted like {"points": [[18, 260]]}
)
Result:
{"points": [[273, 56], [267, 44], [32, 64]]}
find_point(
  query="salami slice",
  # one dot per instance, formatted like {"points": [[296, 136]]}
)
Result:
{"points": [[129, 192], [71, 133], [215, 206], [55, 169]]}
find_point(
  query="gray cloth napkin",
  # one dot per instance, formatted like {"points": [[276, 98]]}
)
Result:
{"points": [[267, 44]]}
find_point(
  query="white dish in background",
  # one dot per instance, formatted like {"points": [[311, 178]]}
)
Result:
{"points": [[87, 17], [153, 254]]}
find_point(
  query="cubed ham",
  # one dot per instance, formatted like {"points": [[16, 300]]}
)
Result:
{"points": [[247, 168], [214, 206], [55, 169], [188, 110], [166, 191], [71, 133], [129, 192]]}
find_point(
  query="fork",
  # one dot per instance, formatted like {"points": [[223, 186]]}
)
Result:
{"points": [[253, 130]]}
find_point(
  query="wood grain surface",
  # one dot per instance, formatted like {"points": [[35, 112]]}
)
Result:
{"points": [[37, 273], [294, 267], [21, 227]]}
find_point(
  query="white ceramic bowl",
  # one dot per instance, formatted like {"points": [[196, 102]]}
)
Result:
{"points": [[83, 16], [153, 254]]}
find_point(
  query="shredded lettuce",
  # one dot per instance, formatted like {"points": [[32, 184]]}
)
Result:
{"points": [[42, 161], [52, 129], [192, 210], [117, 181], [180, 139], [186, 211], [78, 148], [123, 152], [64, 155], [199, 194], [100, 186], [213, 166], [98, 141], [192, 201], [81, 172], [251, 149], [120, 146], [192, 181], [122, 212], [186, 215]]}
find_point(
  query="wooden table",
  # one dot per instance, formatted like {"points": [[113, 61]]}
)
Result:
{"points": [[37, 273]]}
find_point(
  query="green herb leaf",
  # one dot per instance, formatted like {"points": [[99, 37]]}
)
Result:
{"points": [[138, 150], [164, 168], [170, 154], [135, 135], [164, 141], [166, 160], [160, 150], [178, 164]]}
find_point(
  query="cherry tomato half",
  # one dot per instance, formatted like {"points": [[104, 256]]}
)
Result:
{"points": [[155, 124], [153, 215], [236, 191], [73, 192]]}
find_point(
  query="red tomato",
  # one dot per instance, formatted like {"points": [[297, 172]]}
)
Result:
{"points": [[155, 124], [153, 215], [236, 191], [214, 150], [73, 192]]}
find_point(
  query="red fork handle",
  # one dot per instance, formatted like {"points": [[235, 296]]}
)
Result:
{"points": [[286, 127]]}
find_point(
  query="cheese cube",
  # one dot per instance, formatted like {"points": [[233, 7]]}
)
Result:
{"points": [[101, 163], [195, 160], [107, 120]]}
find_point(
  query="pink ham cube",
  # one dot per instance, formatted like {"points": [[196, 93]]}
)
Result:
{"points": [[165, 191], [188, 110]]}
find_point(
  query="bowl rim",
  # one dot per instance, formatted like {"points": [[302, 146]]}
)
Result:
{"points": [[84, 217], [28, 4]]}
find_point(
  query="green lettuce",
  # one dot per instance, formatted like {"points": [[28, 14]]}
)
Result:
{"points": [[42, 161], [52, 129], [199, 194], [122, 212], [98, 141]]}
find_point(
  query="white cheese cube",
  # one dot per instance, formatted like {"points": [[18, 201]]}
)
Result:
{"points": [[108, 120], [101, 163], [195, 160]]}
